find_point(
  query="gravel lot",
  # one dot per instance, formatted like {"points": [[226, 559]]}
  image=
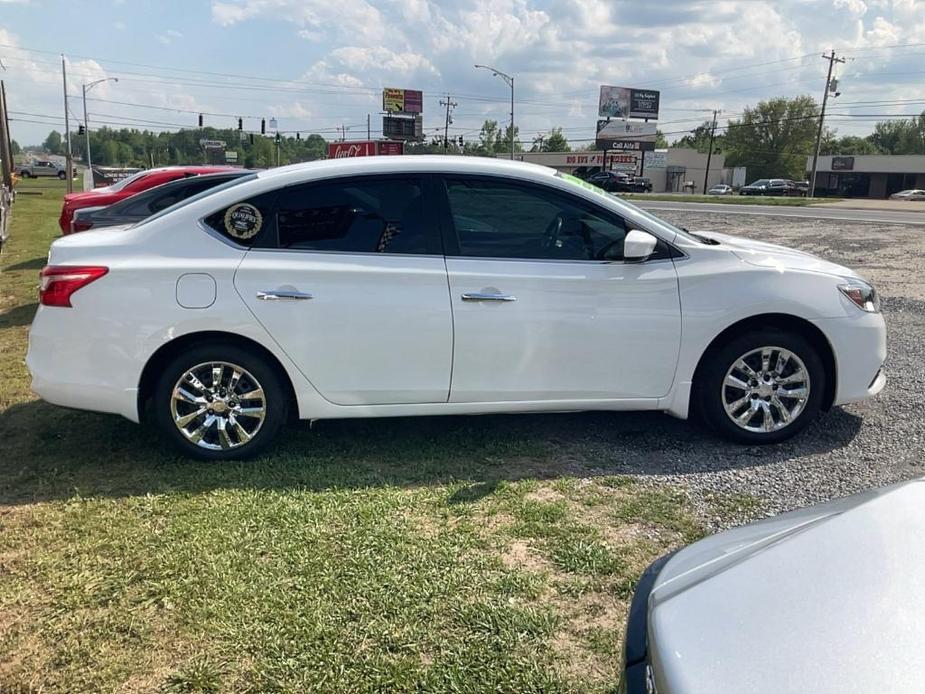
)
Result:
{"points": [[851, 448]]}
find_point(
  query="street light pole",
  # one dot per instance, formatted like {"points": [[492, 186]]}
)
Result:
{"points": [[86, 88], [510, 82]]}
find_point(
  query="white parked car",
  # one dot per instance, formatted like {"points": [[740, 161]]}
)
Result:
{"points": [[912, 194], [396, 286], [720, 189]]}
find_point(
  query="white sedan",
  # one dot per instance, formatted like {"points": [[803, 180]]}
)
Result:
{"points": [[396, 286]]}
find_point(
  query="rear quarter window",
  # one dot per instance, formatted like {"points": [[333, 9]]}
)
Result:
{"points": [[248, 222]]}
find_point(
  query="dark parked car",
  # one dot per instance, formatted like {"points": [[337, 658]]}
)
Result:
{"points": [[780, 187], [643, 184], [148, 202], [612, 181]]}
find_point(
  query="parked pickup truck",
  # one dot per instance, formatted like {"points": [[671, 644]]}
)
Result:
{"points": [[41, 167]]}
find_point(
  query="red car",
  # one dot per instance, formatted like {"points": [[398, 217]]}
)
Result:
{"points": [[126, 188]]}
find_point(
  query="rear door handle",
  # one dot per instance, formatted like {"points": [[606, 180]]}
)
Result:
{"points": [[281, 295], [479, 296]]}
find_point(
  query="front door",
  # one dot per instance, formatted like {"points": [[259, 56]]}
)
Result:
{"points": [[544, 307], [352, 285]]}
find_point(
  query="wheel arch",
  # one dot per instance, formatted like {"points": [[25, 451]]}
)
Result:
{"points": [[171, 349], [786, 323]]}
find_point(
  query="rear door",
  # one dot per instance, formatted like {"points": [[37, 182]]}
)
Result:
{"points": [[351, 282]]}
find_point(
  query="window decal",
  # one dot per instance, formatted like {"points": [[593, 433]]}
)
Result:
{"points": [[243, 221]]}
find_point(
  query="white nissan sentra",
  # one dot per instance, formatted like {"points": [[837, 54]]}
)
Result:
{"points": [[396, 286]]}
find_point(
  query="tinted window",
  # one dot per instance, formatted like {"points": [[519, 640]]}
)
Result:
{"points": [[494, 218], [361, 215], [246, 222]]}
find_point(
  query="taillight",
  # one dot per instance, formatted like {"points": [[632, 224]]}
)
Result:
{"points": [[59, 282]]}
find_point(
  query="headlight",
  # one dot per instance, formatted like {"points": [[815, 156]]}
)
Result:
{"points": [[862, 295]]}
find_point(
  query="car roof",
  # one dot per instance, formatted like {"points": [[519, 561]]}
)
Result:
{"points": [[424, 163]]}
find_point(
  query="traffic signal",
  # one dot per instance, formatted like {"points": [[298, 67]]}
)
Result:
{"points": [[252, 138], [298, 136], [461, 142], [263, 126], [200, 120], [240, 124], [80, 130], [278, 138]]}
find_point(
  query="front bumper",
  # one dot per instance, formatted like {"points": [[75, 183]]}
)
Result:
{"points": [[858, 341], [636, 674]]}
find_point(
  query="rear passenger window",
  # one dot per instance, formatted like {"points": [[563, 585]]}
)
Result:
{"points": [[247, 222], [359, 215]]}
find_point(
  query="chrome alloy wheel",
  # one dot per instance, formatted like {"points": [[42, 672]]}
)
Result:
{"points": [[765, 389], [218, 406]]}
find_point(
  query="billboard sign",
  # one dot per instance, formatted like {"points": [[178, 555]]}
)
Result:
{"points": [[626, 129], [623, 145], [402, 100], [842, 163], [363, 148], [628, 102], [656, 160], [403, 127]]}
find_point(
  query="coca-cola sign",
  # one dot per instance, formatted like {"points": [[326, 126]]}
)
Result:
{"points": [[337, 150]]}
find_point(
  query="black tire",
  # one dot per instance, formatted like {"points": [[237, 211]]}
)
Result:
{"points": [[62, 175], [710, 391], [257, 372]]}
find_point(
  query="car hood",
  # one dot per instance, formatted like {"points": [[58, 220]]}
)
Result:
{"points": [[827, 599], [770, 255]]}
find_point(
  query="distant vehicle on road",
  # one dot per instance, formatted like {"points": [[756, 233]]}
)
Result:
{"points": [[720, 189], [136, 183], [913, 194], [43, 167], [613, 181], [788, 605], [399, 286], [642, 184], [781, 187], [144, 204]]}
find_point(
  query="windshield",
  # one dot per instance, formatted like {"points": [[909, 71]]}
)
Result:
{"points": [[760, 182], [199, 196], [638, 210]]}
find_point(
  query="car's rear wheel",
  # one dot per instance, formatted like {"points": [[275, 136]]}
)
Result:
{"points": [[762, 387], [219, 402], [62, 175]]}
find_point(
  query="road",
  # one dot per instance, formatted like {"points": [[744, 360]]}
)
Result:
{"points": [[842, 214]]}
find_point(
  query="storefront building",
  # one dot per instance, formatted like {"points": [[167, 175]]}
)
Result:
{"points": [[867, 175]]}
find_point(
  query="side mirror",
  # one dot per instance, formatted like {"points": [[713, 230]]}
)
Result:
{"points": [[638, 245]]}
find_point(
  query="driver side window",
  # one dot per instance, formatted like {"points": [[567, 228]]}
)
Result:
{"points": [[496, 218]]}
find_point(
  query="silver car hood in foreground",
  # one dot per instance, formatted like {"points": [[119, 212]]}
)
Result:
{"points": [[829, 600]]}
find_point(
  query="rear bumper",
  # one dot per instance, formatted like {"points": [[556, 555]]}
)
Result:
{"points": [[86, 374]]}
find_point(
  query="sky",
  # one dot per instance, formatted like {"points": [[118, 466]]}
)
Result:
{"points": [[318, 65]]}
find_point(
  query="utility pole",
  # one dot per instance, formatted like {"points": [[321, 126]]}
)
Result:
{"points": [[68, 162], [509, 80], [368, 130], [706, 175], [825, 97], [446, 126]]}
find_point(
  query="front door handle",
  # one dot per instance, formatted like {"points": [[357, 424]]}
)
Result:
{"points": [[281, 295], [479, 296]]}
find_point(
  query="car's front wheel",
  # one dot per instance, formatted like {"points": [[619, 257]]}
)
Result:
{"points": [[762, 387], [62, 175], [219, 402]]}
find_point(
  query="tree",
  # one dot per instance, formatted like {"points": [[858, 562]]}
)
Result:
{"points": [[699, 138], [900, 136], [553, 142], [774, 138], [849, 144], [15, 148], [53, 143], [661, 142]]}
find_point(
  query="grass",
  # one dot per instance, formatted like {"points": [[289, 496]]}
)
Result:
{"points": [[450, 554], [729, 199]]}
